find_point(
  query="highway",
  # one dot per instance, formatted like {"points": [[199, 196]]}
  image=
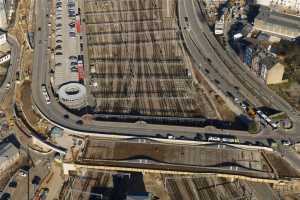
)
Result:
{"points": [[230, 72], [55, 113]]}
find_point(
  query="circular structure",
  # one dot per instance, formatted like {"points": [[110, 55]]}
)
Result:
{"points": [[72, 95]]}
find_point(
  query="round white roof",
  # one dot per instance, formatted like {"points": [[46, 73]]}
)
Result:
{"points": [[72, 91]]}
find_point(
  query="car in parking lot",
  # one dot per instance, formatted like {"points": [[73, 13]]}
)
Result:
{"points": [[58, 53], [285, 142], [58, 41], [22, 173], [36, 180], [8, 85], [73, 63], [72, 34], [13, 184], [58, 25], [72, 29], [6, 196], [58, 47], [74, 69], [72, 57]]}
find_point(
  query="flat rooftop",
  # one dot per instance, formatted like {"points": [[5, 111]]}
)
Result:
{"points": [[273, 17]]}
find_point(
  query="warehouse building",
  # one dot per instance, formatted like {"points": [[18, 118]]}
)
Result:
{"points": [[277, 24]]}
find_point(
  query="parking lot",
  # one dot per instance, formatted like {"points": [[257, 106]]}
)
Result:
{"points": [[21, 181], [67, 43]]}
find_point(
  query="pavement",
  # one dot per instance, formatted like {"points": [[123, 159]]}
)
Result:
{"points": [[40, 168], [14, 65]]}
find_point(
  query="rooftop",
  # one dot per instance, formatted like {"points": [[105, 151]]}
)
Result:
{"points": [[7, 150], [271, 16], [139, 196], [269, 61]]}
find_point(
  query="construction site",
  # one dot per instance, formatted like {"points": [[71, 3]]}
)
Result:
{"points": [[137, 62]]}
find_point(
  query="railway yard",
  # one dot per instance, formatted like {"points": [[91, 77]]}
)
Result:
{"points": [[212, 188], [96, 184], [137, 63], [154, 155]]}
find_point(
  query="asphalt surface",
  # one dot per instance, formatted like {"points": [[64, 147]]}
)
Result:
{"points": [[14, 65], [54, 112], [229, 72]]}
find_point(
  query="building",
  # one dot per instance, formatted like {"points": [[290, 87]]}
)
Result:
{"points": [[139, 196], [2, 38], [3, 19], [219, 26], [258, 56], [271, 70], [277, 24], [73, 95], [292, 5], [249, 53], [215, 3], [9, 154], [4, 58]]}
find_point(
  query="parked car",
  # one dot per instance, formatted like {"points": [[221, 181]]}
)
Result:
{"points": [[285, 142], [6, 196], [13, 184], [72, 34], [72, 57], [36, 180]]}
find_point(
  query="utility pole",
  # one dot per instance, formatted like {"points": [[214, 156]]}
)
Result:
{"points": [[28, 179]]}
